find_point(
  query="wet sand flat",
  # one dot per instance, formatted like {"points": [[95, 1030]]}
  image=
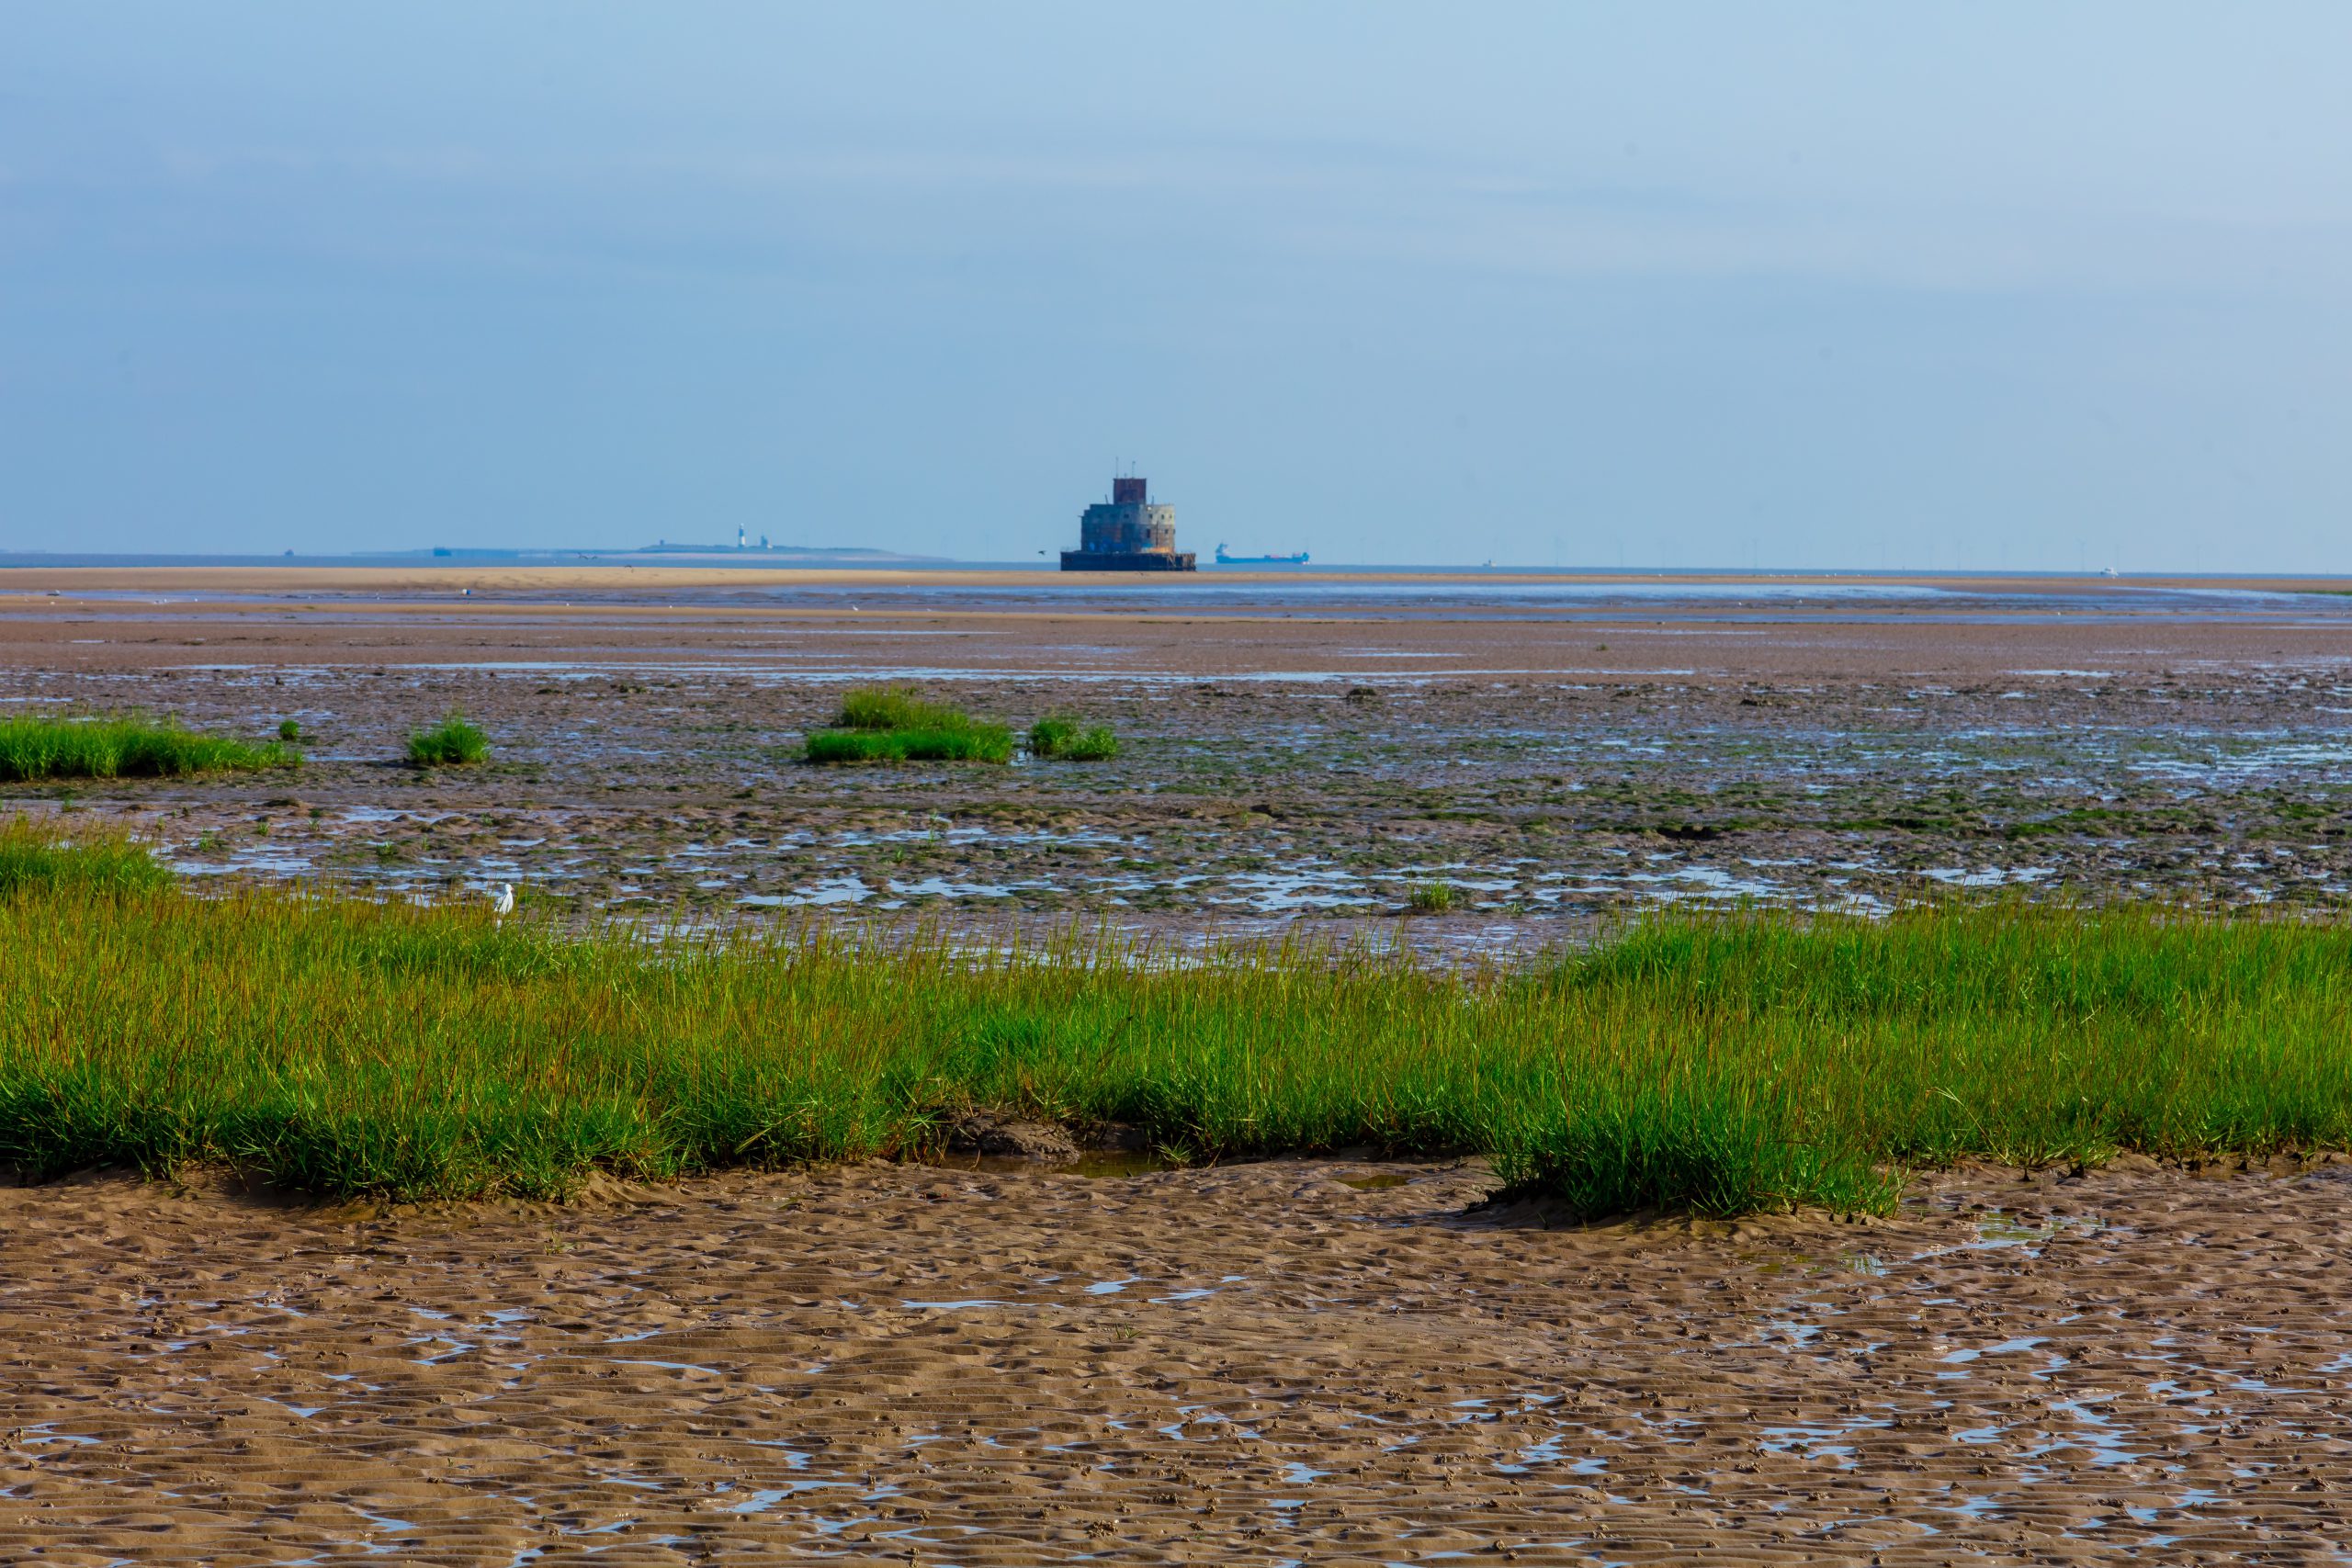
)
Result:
{"points": [[1296, 1362], [1258, 624], [1294, 751]]}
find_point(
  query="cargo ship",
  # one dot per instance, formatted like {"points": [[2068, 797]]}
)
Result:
{"points": [[1224, 559]]}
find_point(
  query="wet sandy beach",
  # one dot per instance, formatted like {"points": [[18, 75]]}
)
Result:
{"points": [[1292, 1362], [1323, 1362]]}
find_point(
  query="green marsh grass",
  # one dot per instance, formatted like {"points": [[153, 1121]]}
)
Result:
{"points": [[1430, 898], [94, 861], [895, 708], [454, 741], [971, 743], [895, 724], [1718, 1065], [1066, 741], [124, 747]]}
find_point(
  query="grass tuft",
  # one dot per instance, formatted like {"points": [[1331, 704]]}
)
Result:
{"points": [[1430, 898], [453, 741], [1716, 1064], [969, 743], [124, 747], [95, 859], [895, 708], [1063, 740], [893, 724]]}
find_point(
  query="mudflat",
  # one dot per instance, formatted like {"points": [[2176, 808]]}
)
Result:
{"points": [[1305, 1361], [1292, 749], [1322, 1362]]}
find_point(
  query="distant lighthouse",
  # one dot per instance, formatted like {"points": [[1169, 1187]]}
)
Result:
{"points": [[1127, 533]]}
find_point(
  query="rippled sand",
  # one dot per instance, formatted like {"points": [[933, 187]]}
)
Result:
{"points": [[1323, 1362]]}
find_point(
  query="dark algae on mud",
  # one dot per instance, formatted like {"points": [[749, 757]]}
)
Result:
{"points": [[1719, 1065], [1544, 807]]}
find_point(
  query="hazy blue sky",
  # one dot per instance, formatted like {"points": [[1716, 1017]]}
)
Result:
{"points": [[1987, 286]]}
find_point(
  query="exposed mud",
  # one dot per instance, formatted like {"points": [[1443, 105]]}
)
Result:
{"points": [[1274, 769], [1290, 1361]]}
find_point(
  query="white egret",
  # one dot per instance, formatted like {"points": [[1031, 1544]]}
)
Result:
{"points": [[502, 900]]}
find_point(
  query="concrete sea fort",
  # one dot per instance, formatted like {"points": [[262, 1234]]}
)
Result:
{"points": [[1127, 533]]}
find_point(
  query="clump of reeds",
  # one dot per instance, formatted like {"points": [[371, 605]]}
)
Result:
{"points": [[976, 743], [95, 859], [1430, 898], [456, 740], [894, 707], [1065, 741], [1718, 1065], [896, 723], [125, 747]]}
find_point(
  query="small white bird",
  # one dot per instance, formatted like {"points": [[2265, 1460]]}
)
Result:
{"points": [[502, 900]]}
